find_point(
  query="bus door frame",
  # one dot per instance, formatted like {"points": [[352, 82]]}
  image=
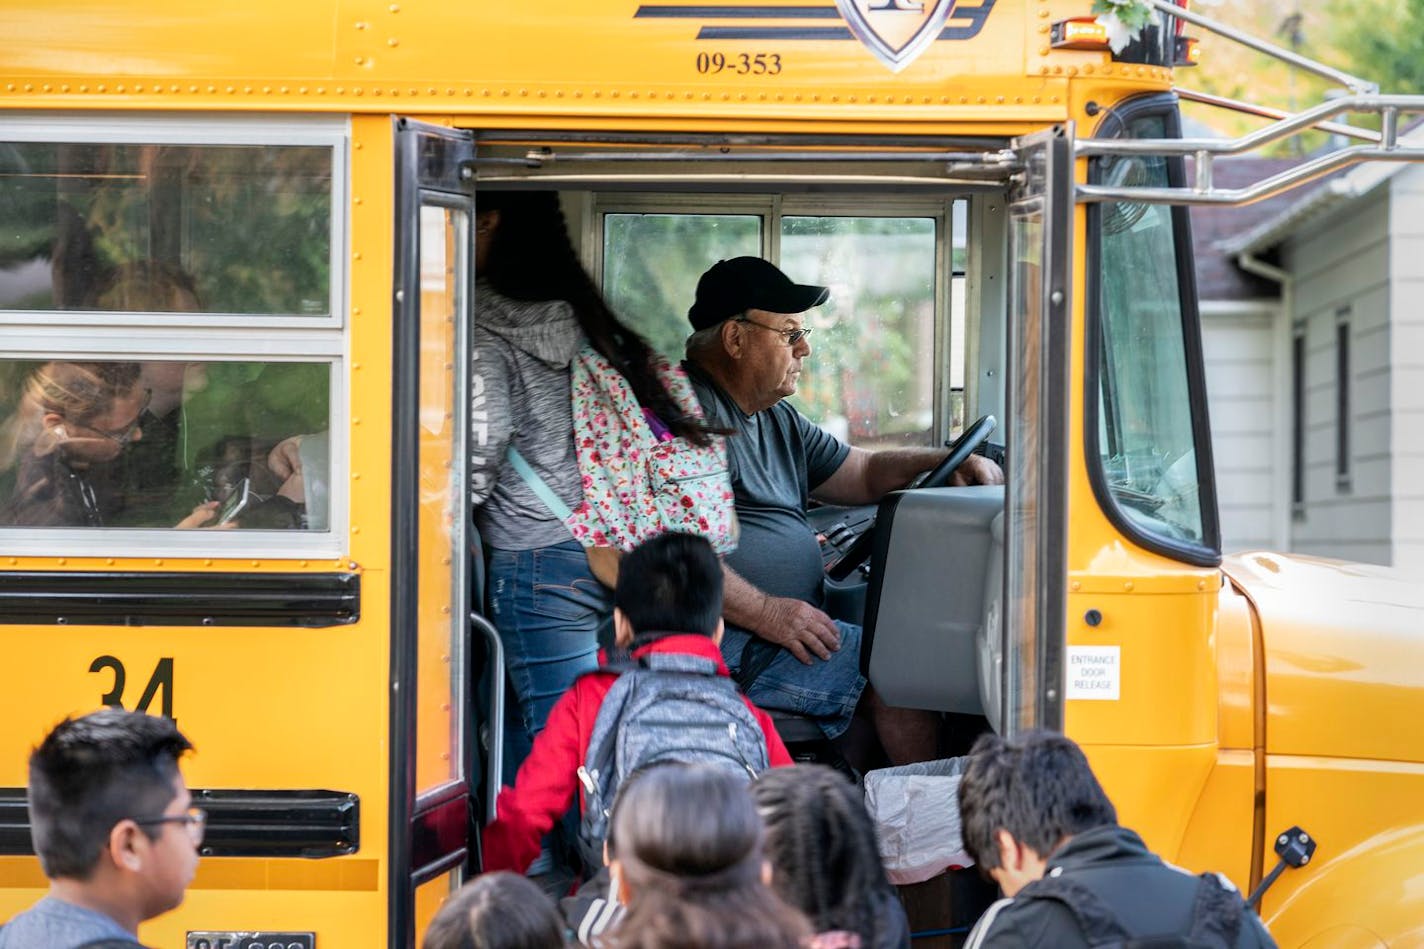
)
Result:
{"points": [[1040, 227], [430, 830]]}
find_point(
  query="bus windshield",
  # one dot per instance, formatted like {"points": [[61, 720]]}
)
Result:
{"points": [[1145, 436]]}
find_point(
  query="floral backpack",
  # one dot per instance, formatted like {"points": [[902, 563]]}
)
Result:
{"points": [[639, 480]]}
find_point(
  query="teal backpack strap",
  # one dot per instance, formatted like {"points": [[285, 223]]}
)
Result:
{"points": [[539, 486]]}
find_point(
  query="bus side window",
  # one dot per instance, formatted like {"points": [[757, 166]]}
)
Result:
{"points": [[123, 248], [105, 444]]}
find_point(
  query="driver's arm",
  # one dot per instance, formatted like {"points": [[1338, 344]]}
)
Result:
{"points": [[798, 626], [867, 476]]}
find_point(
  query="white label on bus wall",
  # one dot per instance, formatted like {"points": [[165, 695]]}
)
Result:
{"points": [[1095, 672]]}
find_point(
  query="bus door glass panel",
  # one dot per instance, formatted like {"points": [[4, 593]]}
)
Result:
{"points": [[1021, 493], [165, 443], [651, 263], [871, 376], [1040, 228], [1145, 437], [958, 321], [105, 227], [444, 262]]}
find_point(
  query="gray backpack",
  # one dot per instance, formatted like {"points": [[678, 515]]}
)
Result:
{"points": [[664, 707]]}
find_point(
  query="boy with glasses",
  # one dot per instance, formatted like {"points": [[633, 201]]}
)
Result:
{"points": [[114, 827]]}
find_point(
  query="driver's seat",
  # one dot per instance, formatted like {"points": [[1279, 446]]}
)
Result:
{"points": [[923, 610]]}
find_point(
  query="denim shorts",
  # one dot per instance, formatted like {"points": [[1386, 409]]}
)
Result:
{"points": [[827, 690], [548, 608]]}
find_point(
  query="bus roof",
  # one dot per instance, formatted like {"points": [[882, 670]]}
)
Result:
{"points": [[780, 65]]}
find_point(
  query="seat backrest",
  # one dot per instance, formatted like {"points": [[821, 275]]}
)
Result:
{"points": [[925, 602]]}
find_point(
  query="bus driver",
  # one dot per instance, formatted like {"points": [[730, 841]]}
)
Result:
{"points": [[744, 358]]}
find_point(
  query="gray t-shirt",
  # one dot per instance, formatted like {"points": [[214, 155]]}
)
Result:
{"points": [[55, 924], [777, 457]]}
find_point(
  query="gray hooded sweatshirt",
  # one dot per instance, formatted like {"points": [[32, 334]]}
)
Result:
{"points": [[519, 390]]}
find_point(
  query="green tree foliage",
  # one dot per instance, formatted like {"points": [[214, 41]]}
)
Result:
{"points": [[249, 226], [1382, 40]]}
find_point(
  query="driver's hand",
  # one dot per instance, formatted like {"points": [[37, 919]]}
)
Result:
{"points": [[976, 470], [799, 627]]}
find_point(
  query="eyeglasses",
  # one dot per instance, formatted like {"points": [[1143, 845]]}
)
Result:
{"points": [[194, 821], [790, 337], [126, 434]]}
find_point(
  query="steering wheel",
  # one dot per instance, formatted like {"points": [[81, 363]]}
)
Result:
{"points": [[959, 451]]}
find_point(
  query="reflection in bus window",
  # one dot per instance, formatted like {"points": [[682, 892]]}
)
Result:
{"points": [[164, 443], [91, 226], [651, 263], [872, 370], [1145, 411]]}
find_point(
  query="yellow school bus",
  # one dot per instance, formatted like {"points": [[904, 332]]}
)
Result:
{"points": [[258, 215]]}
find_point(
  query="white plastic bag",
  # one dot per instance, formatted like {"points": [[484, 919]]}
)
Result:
{"points": [[916, 813]]}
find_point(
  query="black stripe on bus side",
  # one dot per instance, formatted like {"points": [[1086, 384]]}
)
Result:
{"points": [[774, 33], [180, 599], [308, 824]]}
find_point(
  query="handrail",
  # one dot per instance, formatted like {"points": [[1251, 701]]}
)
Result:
{"points": [[1268, 112], [1203, 191], [1265, 188], [1390, 107], [494, 776]]}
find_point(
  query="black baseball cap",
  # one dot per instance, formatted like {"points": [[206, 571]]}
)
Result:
{"points": [[731, 287]]}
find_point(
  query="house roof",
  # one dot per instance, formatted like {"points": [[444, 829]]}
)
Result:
{"points": [[1340, 189], [1215, 229], [1324, 196]]}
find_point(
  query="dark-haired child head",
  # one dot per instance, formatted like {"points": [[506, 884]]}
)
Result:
{"points": [[496, 911], [671, 583], [110, 816]]}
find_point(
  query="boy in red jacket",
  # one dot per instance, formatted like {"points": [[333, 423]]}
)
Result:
{"points": [[668, 601]]}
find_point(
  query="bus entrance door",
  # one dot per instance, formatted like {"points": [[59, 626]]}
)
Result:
{"points": [[430, 766], [1029, 638]]}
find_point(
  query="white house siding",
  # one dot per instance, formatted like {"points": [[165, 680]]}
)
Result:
{"points": [[1406, 355], [1344, 260], [1242, 382]]}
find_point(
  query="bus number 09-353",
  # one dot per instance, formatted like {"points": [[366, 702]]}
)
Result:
{"points": [[742, 64]]}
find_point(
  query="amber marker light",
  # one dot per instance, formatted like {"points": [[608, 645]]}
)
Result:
{"points": [[1188, 51], [1080, 32]]}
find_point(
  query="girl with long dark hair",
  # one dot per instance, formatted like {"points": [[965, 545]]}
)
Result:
{"points": [[825, 861], [535, 309], [685, 852]]}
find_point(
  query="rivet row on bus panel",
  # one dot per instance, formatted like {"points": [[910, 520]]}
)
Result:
{"points": [[436, 94]]}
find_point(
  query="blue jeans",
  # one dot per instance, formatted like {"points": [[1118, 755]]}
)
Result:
{"points": [[827, 690], [548, 608]]}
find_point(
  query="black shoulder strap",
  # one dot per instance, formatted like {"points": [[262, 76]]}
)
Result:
{"points": [[1216, 915], [1097, 923], [1216, 912]]}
